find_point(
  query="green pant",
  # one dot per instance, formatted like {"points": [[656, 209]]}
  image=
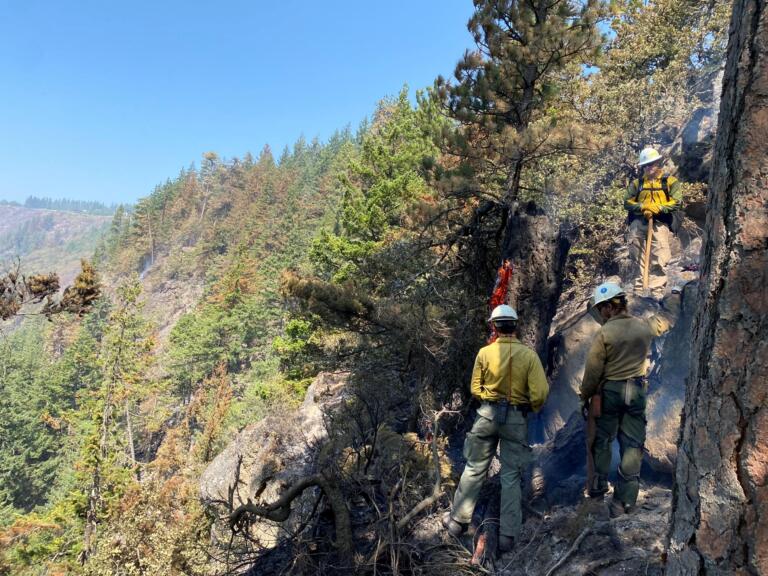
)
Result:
{"points": [[623, 414], [479, 450]]}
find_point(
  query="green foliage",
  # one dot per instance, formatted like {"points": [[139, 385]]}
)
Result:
{"points": [[512, 95], [369, 304], [380, 183], [296, 349], [31, 408], [659, 66], [203, 339]]}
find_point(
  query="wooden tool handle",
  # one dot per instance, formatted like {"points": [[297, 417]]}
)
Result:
{"points": [[647, 267]]}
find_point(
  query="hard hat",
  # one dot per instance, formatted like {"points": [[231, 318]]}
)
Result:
{"points": [[503, 312], [605, 292], [648, 156]]}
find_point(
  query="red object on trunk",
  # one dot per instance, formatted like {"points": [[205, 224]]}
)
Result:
{"points": [[479, 555], [500, 293]]}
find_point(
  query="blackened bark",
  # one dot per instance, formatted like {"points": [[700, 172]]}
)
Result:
{"points": [[537, 248], [720, 507]]}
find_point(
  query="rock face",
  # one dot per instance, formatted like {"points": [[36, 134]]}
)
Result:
{"points": [[272, 454], [666, 388], [720, 509], [692, 149], [572, 337]]}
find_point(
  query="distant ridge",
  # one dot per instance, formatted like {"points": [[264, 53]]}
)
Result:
{"points": [[65, 205], [49, 240]]}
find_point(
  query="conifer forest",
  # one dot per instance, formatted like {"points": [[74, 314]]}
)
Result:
{"points": [[263, 366]]}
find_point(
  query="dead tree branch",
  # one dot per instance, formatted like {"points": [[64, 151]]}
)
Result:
{"points": [[436, 487], [280, 510], [571, 551]]}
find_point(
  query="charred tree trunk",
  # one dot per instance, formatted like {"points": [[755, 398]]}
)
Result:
{"points": [[720, 507], [537, 248]]}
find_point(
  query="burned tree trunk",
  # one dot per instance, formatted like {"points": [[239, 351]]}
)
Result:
{"points": [[537, 248], [720, 508]]}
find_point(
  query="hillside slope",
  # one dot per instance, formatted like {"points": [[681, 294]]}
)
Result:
{"points": [[49, 240]]}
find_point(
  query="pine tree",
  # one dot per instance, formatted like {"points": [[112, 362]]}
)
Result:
{"points": [[110, 448], [506, 91]]}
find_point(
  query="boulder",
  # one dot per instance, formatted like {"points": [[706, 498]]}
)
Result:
{"points": [[270, 455]]}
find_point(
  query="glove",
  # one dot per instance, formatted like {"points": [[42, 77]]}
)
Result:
{"points": [[650, 210]]}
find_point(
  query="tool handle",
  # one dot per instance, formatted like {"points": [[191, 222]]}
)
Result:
{"points": [[647, 267]]}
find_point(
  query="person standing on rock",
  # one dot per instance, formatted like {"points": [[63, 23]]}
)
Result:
{"points": [[615, 377], [509, 381], [658, 197]]}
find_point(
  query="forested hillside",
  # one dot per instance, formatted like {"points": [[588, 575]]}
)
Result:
{"points": [[47, 239], [274, 380]]}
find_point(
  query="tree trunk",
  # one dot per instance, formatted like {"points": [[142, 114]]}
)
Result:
{"points": [[94, 493], [537, 248], [720, 506], [129, 433]]}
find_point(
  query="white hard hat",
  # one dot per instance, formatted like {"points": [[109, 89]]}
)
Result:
{"points": [[503, 312], [648, 156], [605, 292]]}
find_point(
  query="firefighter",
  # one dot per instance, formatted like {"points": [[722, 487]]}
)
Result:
{"points": [[654, 197], [509, 381], [615, 372]]}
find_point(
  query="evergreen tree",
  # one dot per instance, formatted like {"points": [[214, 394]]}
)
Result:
{"points": [[506, 91], [109, 451]]}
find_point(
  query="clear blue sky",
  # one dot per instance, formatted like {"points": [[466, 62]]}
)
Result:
{"points": [[103, 99]]}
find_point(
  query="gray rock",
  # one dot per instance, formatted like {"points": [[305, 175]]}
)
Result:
{"points": [[270, 455]]}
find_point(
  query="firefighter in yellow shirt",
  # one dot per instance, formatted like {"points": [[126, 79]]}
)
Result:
{"points": [[616, 372], [509, 381], [653, 195]]}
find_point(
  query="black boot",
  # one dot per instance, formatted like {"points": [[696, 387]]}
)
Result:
{"points": [[616, 509]]}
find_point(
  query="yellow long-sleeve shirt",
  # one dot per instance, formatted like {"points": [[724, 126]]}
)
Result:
{"points": [[650, 192], [507, 369], [620, 349]]}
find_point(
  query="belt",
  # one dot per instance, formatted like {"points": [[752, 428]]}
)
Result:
{"points": [[636, 380], [629, 387], [514, 407]]}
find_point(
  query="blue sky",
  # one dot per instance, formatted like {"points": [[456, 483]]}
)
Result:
{"points": [[104, 99]]}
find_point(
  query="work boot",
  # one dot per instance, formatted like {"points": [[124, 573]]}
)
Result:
{"points": [[598, 487], [506, 544], [616, 509], [454, 528], [597, 493]]}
